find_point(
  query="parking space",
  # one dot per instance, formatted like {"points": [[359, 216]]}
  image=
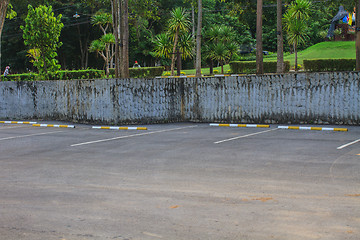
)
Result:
{"points": [[179, 181]]}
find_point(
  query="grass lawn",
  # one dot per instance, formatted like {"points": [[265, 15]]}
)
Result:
{"points": [[324, 50]]}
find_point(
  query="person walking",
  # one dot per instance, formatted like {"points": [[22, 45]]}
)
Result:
{"points": [[7, 71]]}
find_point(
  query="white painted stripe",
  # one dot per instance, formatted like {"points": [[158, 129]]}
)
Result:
{"points": [[305, 128], [52, 125], [30, 135], [252, 125], [17, 122], [119, 128], [283, 127], [244, 136], [348, 144], [233, 125], [129, 136]]}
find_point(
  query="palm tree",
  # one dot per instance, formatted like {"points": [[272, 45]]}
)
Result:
{"points": [[219, 44], [295, 20], [179, 22], [221, 54], [102, 47]]}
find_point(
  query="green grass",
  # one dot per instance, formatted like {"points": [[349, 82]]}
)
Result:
{"points": [[324, 50]]}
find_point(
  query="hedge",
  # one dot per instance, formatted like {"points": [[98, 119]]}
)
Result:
{"points": [[250, 67], [59, 75], [329, 65], [143, 72]]}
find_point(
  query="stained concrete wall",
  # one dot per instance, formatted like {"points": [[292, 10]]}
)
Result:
{"points": [[305, 97]]}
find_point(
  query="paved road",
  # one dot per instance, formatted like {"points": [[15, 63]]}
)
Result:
{"points": [[178, 181]]}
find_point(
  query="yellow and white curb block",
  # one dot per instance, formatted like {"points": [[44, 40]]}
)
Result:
{"points": [[53, 125], [120, 128], [313, 128], [16, 122], [239, 125]]}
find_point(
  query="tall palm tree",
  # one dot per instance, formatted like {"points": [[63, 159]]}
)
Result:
{"points": [[295, 20], [179, 22]]}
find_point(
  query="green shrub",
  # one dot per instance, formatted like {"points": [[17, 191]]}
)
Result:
{"points": [[329, 65], [59, 75], [20, 77], [143, 72], [250, 67]]}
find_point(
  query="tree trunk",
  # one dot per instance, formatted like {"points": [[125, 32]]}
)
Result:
{"points": [[296, 57], [280, 39], [358, 36], [3, 8], [124, 44], [115, 6], [198, 40], [259, 46], [193, 31], [174, 52]]}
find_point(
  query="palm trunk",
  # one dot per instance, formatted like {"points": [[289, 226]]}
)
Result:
{"points": [[173, 53], [198, 40], [222, 68], [280, 39], [358, 36], [296, 57], [259, 45], [125, 38], [116, 22]]}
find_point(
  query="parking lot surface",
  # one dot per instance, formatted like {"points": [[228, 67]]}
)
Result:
{"points": [[178, 181]]}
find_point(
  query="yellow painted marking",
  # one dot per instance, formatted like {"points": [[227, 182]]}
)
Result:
{"points": [[36, 125], [105, 127], [341, 129], [316, 128], [224, 125], [292, 127], [63, 126], [358, 154], [263, 126]]}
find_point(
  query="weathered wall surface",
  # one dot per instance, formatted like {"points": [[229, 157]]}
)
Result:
{"points": [[305, 97]]}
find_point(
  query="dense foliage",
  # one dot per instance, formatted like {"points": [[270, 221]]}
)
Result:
{"points": [[323, 65], [250, 67], [148, 19]]}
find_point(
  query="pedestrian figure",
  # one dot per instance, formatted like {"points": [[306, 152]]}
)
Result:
{"points": [[7, 71], [136, 65]]}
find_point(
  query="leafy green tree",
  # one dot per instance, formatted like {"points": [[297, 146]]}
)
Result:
{"points": [[102, 46], [296, 26], [42, 32], [221, 46], [178, 24]]}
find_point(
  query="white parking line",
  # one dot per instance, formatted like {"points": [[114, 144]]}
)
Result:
{"points": [[30, 135], [348, 144], [244, 136], [9, 127], [129, 136]]}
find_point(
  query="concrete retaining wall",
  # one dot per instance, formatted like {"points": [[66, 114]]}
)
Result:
{"points": [[297, 98]]}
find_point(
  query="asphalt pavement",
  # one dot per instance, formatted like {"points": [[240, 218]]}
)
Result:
{"points": [[178, 181]]}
